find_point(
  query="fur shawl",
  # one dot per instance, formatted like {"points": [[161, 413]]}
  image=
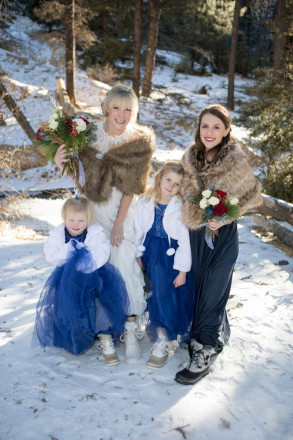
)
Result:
{"points": [[230, 172], [126, 167]]}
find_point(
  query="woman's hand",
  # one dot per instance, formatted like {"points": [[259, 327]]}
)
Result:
{"points": [[180, 279], [61, 156], [215, 224], [140, 263], [117, 235]]}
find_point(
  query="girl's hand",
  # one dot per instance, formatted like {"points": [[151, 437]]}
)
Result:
{"points": [[140, 263], [117, 235], [180, 279], [215, 224]]}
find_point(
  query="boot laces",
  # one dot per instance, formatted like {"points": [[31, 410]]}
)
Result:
{"points": [[163, 347], [201, 358], [106, 344], [130, 335]]}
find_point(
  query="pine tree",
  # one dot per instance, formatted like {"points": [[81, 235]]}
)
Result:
{"points": [[269, 115]]}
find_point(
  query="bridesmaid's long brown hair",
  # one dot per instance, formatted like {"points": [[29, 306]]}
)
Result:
{"points": [[222, 113]]}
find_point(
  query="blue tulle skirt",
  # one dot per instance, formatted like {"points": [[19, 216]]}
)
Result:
{"points": [[77, 303], [169, 307]]}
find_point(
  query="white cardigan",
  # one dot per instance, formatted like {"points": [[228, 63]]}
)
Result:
{"points": [[173, 225], [56, 250]]}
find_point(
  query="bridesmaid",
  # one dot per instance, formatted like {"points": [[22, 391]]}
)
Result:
{"points": [[215, 160]]}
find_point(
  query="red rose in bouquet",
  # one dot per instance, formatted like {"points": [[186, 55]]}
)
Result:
{"points": [[220, 209], [221, 194]]}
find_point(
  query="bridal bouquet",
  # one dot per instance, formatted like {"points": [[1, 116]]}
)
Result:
{"points": [[73, 131]]}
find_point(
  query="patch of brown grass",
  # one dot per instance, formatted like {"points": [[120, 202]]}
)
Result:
{"points": [[14, 160]]}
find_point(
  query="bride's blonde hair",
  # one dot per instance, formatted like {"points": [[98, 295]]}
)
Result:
{"points": [[120, 94], [154, 190]]}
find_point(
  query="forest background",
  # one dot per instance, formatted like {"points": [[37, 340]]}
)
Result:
{"points": [[117, 41]]}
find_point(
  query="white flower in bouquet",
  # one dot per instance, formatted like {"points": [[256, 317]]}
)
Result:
{"points": [[206, 193], [80, 125], [53, 121], [203, 203], [213, 201], [234, 201]]}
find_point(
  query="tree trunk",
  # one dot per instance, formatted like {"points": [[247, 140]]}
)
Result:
{"points": [[17, 113], [155, 12], [232, 58], [104, 23], [280, 34], [137, 45], [70, 50]]}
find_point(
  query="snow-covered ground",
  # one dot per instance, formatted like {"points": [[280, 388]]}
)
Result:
{"points": [[54, 395]]}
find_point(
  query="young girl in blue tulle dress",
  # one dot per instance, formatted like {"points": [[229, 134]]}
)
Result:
{"points": [[163, 252], [85, 296]]}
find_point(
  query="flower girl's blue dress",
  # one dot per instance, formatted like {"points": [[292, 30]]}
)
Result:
{"points": [[169, 307], [78, 301]]}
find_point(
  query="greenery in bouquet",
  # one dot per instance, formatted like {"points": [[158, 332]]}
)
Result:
{"points": [[73, 131]]}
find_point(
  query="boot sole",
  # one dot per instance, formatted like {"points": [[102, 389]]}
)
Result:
{"points": [[152, 364], [131, 362], [191, 381], [111, 364], [155, 367]]}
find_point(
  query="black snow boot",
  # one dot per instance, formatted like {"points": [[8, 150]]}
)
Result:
{"points": [[199, 364]]}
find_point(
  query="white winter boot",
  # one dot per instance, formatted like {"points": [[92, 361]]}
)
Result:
{"points": [[160, 352], [131, 337], [106, 344]]}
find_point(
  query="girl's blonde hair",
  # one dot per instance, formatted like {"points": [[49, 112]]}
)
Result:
{"points": [[154, 190], [120, 94], [79, 204]]}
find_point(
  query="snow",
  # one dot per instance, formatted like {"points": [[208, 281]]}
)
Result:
{"points": [[52, 394]]}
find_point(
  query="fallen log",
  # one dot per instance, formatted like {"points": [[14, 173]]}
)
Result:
{"points": [[17, 113], [276, 208], [63, 98]]}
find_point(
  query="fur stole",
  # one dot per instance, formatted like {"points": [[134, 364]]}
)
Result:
{"points": [[230, 172], [126, 167]]}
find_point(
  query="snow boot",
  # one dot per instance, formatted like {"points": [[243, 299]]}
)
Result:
{"points": [[160, 352], [131, 337], [106, 344], [199, 364]]}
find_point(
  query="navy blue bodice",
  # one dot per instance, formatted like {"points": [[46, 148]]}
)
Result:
{"points": [[157, 230], [81, 237]]}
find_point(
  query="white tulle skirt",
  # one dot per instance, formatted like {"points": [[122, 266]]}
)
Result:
{"points": [[124, 256]]}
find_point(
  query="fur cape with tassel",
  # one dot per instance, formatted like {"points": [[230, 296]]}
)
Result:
{"points": [[230, 172], [125, 167]]}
